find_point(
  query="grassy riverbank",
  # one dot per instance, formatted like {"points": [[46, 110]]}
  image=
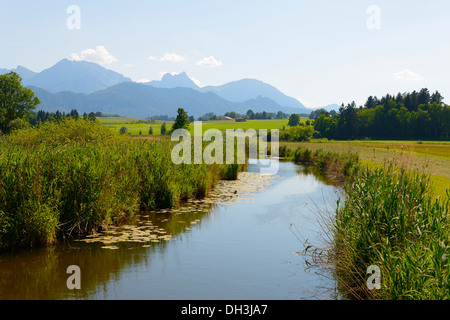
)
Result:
{"points": [[78, 176], [392, 219], [430, 157]]}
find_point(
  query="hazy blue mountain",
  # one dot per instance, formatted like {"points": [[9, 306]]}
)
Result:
{"points": [[62, 101], [247, 89], [75, 76], [266, 104], [22, 71], [87, 87], [139, 100], [135, 100], [170, 81]]}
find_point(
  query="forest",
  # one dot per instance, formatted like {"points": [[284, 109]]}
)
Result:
{"points": [[414, 115]]}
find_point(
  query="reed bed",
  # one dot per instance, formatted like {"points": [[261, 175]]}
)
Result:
{"points": [[75, 177], [390, 219]]}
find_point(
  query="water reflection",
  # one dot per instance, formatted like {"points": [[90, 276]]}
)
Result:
{"points": [[237, 244]]}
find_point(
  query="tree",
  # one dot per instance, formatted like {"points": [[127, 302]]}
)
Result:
{"points": [[437, 97], [370, 103], [281, 115], [231, 114], [294, 120], [163, 129], [91, 116], [16, 101], [74, 114], [424, 96], [123, 130], [182, 121], [150, 130], [250, 114]]}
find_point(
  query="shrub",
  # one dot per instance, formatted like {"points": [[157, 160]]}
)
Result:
{"points": [[123, 130]]}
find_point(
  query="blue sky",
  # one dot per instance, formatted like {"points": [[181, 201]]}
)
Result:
{"points": [[320, 52]]}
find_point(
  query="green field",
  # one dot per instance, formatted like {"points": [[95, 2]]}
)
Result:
{"points": [[134, 126], [431, 157]]}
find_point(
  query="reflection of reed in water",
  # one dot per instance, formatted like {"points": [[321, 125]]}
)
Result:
{"points": [[41, 273]]}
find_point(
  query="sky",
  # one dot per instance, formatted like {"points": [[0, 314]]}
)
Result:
{"points": [[320, 52]]}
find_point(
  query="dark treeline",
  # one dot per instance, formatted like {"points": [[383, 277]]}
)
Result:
{"points": [[40, 116], [415, 115], [250, 115]]}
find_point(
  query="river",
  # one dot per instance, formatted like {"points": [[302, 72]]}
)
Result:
{"points": [[246, 245]]}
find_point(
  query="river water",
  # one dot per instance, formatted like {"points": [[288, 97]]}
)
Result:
{"points": [[246, 245]]}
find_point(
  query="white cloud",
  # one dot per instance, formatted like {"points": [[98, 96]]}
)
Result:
{"points": [[407, 75], [168, 57], [129, 65], [209, 62], [98, 55], [172, 57]]}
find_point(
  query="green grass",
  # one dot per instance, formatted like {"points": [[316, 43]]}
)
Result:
{"points": [[431, 157], [134, 126], [75, 177], [120, 120], [390, 218], [249, 124]]}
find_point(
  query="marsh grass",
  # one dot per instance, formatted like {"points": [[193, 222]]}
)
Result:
{"points": [[337, 166], [75, 177], [390, 218]]}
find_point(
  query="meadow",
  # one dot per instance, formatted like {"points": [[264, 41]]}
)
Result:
{"points": [[430, 157], [134, 126]]}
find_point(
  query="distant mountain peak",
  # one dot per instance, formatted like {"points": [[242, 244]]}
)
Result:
{"points": [[76, 76], [251, 89], [170, 80], [25, 73]]}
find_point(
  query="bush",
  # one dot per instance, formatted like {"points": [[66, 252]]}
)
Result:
{"points": [[123, 130], [297, 133]]}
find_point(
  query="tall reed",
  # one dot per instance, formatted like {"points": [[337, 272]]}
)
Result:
{"points": [[74, 177], [390, 219]]}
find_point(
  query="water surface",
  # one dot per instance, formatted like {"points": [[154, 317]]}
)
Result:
{"points": [[245, 249]]}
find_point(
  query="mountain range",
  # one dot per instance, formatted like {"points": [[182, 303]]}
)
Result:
{"points": [[87, 87]]}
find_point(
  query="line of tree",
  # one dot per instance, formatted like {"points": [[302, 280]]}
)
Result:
{"points": [[415, 115], [250, 115], [38, 117]]}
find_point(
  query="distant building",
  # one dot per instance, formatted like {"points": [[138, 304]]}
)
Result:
{"points": [[224, 118], [240, 120]]}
